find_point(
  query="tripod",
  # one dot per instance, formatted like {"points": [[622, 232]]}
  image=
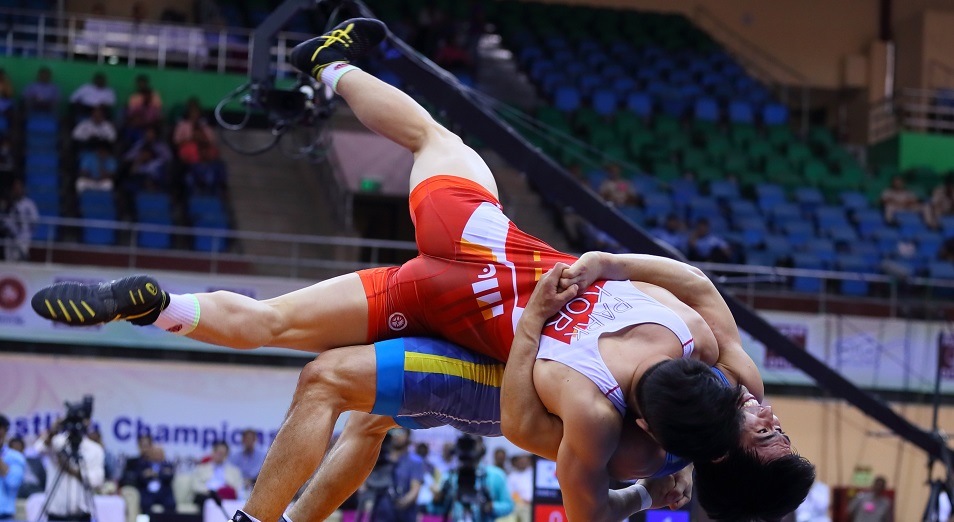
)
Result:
{"points": [[932, 510], [74, 458]]}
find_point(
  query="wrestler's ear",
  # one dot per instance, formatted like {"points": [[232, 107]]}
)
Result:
{"points": [[645, 427]]}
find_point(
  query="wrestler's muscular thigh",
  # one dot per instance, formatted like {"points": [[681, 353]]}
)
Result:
{"points": [[444, 153], [326, 315]]}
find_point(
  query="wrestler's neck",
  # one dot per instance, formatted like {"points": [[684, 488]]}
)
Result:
{"points": [[630, 352], [637, 374]]}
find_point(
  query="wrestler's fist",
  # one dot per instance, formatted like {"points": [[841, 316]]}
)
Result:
{"points": [[548, 297], [672, 491], [584, 272]]}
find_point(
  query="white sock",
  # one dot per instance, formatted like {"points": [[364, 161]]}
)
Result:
{"points": [[250, 517], [286, 518], [181, 316], [334, 71]]}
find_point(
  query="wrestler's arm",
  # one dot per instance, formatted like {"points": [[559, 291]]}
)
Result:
{"points": [[524, 420], [690, 285]]}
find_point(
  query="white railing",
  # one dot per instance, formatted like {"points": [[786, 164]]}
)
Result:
{"points": [[290, 255], [115, 41], [919, 110]]}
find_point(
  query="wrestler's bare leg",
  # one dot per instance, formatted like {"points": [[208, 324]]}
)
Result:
{"points": [[396, 116], [326, 315], [326, 387], [345, 467]]}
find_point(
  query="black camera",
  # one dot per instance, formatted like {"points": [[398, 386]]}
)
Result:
{"points": [[74, 423], [381, 478], [469, 450]]}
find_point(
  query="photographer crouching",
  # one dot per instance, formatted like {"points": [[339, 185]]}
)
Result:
{"points": [[473, 492], [75, 464]]}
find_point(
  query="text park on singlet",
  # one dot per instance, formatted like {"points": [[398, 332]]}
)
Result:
{"points": [[593, 312]]}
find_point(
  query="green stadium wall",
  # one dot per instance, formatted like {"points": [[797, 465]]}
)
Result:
{"points": [[175, 86], [913, 150]]}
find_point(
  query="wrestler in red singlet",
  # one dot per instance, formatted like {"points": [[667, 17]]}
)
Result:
{"points": [[473, 277]]}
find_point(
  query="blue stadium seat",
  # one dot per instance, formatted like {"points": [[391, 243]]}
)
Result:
{"points": [[567, 99], [684, 192], [853, 200], [775, 114], [596, 178], [947, 226], [41, 123], [940, 270], [706, 109], [928, 244], [798, 232], [98, 236], [857, 265], [741, 111], [724, 189], [96, 204], [634, 214], [640, 103], [703, 207], [806, 284], [809, 198], [843, 234], [605, 102], [778, 245], [910, 224], [823, 250], [753, 231], [887, 240], [828, 217], [624, 85], [760, 258], [869, 221], [769, 195], [783, 213], [867, 251], [656, 206]]}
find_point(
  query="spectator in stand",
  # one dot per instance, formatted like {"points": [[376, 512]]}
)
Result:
{"points": [[97, 169], [7, 100], [453, 56], [447, 461], [94, 130], [154, 481], [873, 505], [19, 219], [409, 473], [616, 190], [143, 110], [95, 94], [207, 174], [218, 475], [704, 245], [42, 95], [147, 161], [941, 203], [500, 459], [520, 483], [432, 478], [673, 233], [34, 476], [7, 164], [897, 198], [110, 462], [249, 460], [816, 505], [130, 471], [185, 136], [595, 239], [12, 466]]}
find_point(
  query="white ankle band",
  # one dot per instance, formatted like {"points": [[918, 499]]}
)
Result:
{"points": [[181, 316], [334, 71]]}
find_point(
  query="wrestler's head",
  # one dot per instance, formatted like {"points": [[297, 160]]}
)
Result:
{"points": [[688, 410], [762, 433], [743, 486]]}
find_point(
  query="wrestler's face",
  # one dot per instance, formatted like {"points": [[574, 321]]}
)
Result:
{"points": [[761, 430]]}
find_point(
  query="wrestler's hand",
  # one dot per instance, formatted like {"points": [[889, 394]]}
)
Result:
{"points": [[672, 491], [584, 272], [548, 297]]}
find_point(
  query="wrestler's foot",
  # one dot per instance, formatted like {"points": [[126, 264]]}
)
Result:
{"points": [[137, 299], [241, 516], [351, 39]]}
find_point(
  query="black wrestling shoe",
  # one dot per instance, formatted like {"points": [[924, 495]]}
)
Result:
{"points": [[137, 299], [349, 40], [240, 516]]}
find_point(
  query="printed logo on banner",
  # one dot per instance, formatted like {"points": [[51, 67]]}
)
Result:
{"points": [[12, 296], [798, 334], [859, 350], [945, 354]]}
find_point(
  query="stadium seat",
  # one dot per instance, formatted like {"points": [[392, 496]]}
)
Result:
{"points": [[640, 103], [706, 109], [775, 114], [741, 112], [869, 221], [806, 284], [604, 102], [941, 270], [798, 232], [855, 265], [567, 99], [769, 195], [823, 250]]}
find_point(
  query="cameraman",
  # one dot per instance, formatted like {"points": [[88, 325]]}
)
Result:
{"points": [[473, 491], [82, 462]]}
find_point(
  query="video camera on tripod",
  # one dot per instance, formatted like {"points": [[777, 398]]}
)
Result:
{"points": [[74, 424], [470, 492]]}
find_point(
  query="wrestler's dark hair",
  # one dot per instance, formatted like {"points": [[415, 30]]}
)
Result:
{"points": [[689, 410], [742, 488]]}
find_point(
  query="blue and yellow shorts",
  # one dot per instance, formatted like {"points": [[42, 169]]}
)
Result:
{"points": [[424, 383]]}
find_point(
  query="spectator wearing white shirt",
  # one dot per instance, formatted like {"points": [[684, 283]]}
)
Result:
{"points": [[19, 217], [94, 130], [816, 505], [520, 483], [94, 94], [69, 501]]}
